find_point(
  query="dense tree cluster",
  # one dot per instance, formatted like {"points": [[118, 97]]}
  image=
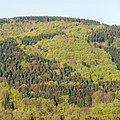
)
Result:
{"points": [[49, 19], [38, 75], [29, 40], [115, 53], [107, 34], [77, 83]]}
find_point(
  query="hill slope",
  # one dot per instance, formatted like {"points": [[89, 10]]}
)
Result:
{"points": [[60, 60]]}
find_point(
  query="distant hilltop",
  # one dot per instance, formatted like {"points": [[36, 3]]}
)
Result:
{"points": [[49, 18]]}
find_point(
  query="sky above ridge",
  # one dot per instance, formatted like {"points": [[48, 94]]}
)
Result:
{"points": [[104, 11]]}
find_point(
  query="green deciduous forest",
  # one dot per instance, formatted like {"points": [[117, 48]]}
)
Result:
{"points": [[59, 68]]}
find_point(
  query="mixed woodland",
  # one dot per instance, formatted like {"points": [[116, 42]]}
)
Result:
{"points": [[59, 68]]}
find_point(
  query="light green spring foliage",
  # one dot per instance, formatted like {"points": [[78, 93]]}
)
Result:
{"points": [[41, 108], [71, 48]]}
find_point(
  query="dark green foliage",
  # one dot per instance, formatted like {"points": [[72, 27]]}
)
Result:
{"points": [[39, 71], [115, 53], [105, 35], [6, 100], [108, 35], [49, 19], [34, 77], [28, 40]]}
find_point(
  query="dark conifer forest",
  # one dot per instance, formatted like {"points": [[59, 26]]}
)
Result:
{"points": [[59, 68]]}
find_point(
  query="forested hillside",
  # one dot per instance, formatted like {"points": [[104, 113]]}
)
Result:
{"points": [[59, 68]]}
